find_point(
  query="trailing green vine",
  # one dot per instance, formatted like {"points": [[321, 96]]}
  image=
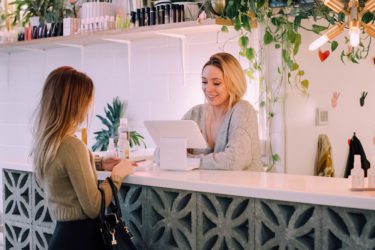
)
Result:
{"points": [[282, 29]]}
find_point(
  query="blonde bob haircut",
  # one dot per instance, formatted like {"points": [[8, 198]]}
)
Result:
{"points": [[64, 105], [234, 77]]}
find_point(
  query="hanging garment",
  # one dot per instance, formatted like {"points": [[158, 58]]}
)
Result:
{"points": [[355, 148], [324, 164]]}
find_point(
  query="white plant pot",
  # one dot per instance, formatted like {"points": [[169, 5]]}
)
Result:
{"points": [[71, 26], [34, 21]]}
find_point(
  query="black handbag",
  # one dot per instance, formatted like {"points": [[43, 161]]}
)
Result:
{"points": [[114, 233]]}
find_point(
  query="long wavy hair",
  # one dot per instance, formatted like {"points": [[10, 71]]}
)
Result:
{"points": [[233, 74], [66, 98]]}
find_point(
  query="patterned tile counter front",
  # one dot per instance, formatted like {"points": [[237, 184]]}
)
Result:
{"points": [[174, 218]]}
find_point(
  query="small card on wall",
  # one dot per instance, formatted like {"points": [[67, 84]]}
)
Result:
{"points": [[321, 116]]}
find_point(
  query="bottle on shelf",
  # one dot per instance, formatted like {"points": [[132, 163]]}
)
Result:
{"points": [[123, 147], [371, 174], [357, 174]]}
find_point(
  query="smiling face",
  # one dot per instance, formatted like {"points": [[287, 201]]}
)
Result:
{"points": [[214, 88]]}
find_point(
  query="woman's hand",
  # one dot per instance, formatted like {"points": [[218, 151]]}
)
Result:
{"points": [[124, 168], [109, 162]]}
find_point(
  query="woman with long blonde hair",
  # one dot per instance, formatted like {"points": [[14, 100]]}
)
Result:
{"points": [[64, 166], [229, 123]]}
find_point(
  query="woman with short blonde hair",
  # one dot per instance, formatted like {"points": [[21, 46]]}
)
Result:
{"points": [[229, 123], [64, 166]]}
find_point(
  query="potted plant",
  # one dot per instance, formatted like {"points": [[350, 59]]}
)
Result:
{"points": [[2, 24], [111, 121], [39, 13], [2, 17]]}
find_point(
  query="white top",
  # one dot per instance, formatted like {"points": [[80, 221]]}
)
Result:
{"points": [[286, 187], [273, 186]]}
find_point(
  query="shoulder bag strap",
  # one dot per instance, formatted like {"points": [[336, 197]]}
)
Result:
{"points": [[116, 207], [102, 206]]}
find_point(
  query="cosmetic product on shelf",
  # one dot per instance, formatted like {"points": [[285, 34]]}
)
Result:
{"points": [[174, 13], [143, 17], [139, 18], [158, 19], [133, 16], [179, 19], [168, 13], [148, 16], [21, 36], [182, 12], [98, 15], [35, 32], [153, 16], [162, 14]]}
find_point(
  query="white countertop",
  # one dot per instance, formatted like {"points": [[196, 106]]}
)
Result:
{"points": [[285, 187], [21, 165]]}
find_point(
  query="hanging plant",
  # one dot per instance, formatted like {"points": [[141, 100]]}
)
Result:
{"points": [[282, 28], [2, 17]]}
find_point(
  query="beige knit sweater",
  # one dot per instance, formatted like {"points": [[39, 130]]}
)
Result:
{"points": [[237, 144], [70, 183]]}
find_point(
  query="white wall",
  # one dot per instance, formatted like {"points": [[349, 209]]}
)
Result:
{"points": [[348, 117], [156, 89]]}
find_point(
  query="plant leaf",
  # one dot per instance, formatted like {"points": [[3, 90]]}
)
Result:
{"points": [[295, 66], [244, 40], [224, 28], [105, 121], [297, 22], [268, 38], [297, 43], [231, 9], [334, 45], [342, 57], [291, 35], [250, 54], [318, 28], [305, 84], [275, 158], [237, 24], [367, 17], [245, 22]]}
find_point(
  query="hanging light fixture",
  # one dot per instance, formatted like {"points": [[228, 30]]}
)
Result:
{"points": [[354, 24]]}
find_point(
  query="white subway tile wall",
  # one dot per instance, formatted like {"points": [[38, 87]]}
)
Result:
{"points": [[155, 89], [156, 81]]}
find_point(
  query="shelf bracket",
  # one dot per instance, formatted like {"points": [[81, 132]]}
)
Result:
{"points": [[78, 46], [7, 63], [129, 46], [183, 49]]}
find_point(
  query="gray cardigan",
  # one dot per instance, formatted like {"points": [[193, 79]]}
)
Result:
{"points": [[237, 144]]}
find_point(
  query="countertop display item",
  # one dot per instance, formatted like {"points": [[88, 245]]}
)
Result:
{"points": [[173, 137], [357, 174]]}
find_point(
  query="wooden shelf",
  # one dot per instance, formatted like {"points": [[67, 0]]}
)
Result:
{"points": [[147, 32]]}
